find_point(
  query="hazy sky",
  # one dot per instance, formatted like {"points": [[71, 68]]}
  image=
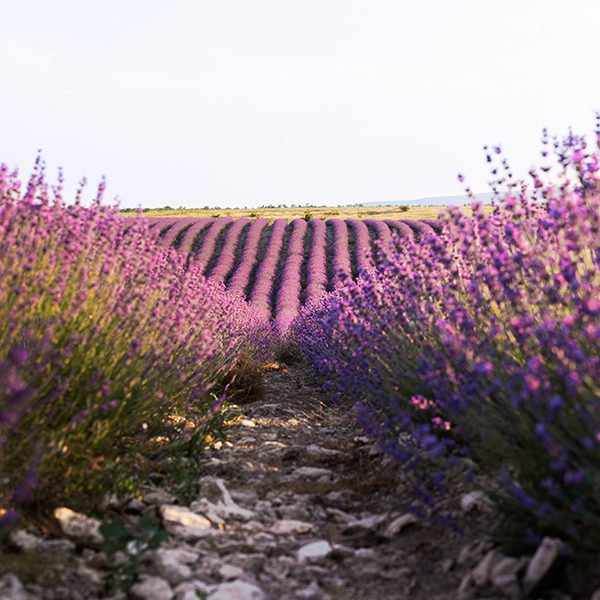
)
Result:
{"points": [[249, 102]]}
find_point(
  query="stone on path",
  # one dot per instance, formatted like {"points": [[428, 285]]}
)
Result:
{"points": [[11, 588], [311, 473], [228, 572], [476, 501], [184, 523], [398, 524], [172, 564], [315, 551], [481, 573], [151, 588], [77, 526], [318, 452], [237, 590], [215, 499], [288, 526], [545, 555], [370, 523]]}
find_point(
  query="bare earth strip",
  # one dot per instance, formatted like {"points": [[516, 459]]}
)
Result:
{"points": [[316, 511]]}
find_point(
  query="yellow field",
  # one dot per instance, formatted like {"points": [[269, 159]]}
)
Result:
{"points": [[322, 212]]}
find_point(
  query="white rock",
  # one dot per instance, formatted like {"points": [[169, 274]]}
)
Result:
{"points": [[184, 523], [11, 588], [77, 526], [339, 516], [247, 423], [237, 590], [311, 473], [312, 591], [171, 564], [481, 573], [216, 499], [370, 523], [314, 551], [151, 588], [24, 541], [505, 571], [287, 526], [189, 590], [476, 500], [228, 572], [399, 524], [545, 555], [316, 451], [93, 577], [465, 588]]}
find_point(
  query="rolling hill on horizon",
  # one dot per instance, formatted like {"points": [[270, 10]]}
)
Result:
{"points": [[458, 200]]}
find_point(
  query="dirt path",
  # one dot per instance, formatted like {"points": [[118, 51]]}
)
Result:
{"points": [[295, 504], [323, 508]]}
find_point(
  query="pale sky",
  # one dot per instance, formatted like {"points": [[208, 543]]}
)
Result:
{"points": [[250, 102]]}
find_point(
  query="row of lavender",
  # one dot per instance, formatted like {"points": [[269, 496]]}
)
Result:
{"points": [[281, 267], [483, 342], [112, 349]]}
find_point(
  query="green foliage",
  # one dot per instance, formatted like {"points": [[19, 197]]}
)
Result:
{"points": [[125, 549]]}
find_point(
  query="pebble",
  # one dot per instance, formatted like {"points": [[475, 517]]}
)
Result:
{"points": [[481, 573], [77, 526], [171, 564], [318, 452], [237, 590], [314, 551], [398, 524], [476, 501], [184, 523], [545, 555], [151, 588], [191, 590], [505, 571], [311, 592], [24, 541], [370, 523], [288, 526], [11, 588], [230, 572], [311, 473]]}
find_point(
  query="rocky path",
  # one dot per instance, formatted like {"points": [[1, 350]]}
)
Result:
{"points": [[296, 504], [301, 505]]}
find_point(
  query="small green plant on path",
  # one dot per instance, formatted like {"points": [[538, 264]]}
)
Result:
{"points": [[126, 550]]}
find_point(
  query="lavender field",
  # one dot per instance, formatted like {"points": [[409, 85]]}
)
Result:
{"points": [[464, 349], [280, 267]]}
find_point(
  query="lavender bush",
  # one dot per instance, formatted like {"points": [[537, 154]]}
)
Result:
{"points": [[226, 258], [342, 269], [260, 297], [483, 340], [316, 267], [109, 346], [240, 278], [362, 245], [287, 301]]}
